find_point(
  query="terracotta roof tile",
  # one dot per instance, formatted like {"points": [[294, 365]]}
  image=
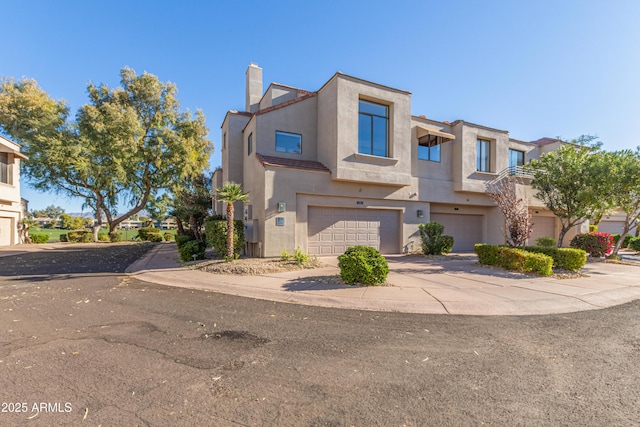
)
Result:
{"points": [[291, 163]]}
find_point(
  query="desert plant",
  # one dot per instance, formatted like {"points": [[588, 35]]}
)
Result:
{"points": [[231, 192], [433, 240], [596, 244], [546, 242], [285, 255], [363, 265], [300, 256], [515, 210]]}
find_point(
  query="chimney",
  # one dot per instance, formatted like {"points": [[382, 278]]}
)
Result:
{"points": [[254, 88]]}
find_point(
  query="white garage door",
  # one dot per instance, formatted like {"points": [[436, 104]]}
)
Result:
{"points": [[543, 226], [611, 227], [333, 230], [6, 230], [465, 229]]}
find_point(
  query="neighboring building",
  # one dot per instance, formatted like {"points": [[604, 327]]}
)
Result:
{"points": [[10, 202], [349, 164]]}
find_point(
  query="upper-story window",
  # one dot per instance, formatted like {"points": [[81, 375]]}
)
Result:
{"points": [[250, 144], [373, 129], [516, 158], [483, 155], [288, 142], [224, 141], [5, 169], [429, 148]]}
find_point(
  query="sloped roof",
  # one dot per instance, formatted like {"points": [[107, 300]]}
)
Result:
{"points": [[309, 165], [545, 141]]}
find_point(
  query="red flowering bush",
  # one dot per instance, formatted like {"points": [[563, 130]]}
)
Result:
{"points": [[596, 244]]}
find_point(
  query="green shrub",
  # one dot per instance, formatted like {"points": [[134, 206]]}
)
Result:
{"points": [[115, 237], [363, 265], [63, 238], [191, 248], [285, 255], [546, 242], [216, 232], [168, 236], [634, 244], [39, 238], [514, 259], [625, 242], [433, 241], [154, 237], [300, 256], [596, 244], [102, 237], [144, 232], [181, 239], [83, 236], [563, 258]]}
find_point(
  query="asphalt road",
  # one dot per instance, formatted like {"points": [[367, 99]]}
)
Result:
{"points": [[83, 344]]}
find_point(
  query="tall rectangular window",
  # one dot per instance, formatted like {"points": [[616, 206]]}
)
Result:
{"points": [[224, 141], [516, 158], [483, 155], [288, 142], [5, 169], [373, 129], [250, 144], [429, 148]]}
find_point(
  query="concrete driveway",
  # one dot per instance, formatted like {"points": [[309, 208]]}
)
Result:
{"points": [[453, 284]]}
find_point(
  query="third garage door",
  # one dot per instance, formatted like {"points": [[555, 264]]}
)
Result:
{"points": [[465, 229], [333, 230]]}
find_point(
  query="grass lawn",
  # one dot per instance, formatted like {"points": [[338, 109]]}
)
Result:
{"points": [[128, 235]]}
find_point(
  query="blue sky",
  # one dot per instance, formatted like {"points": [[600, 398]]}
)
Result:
{"points": [[540, 68]]}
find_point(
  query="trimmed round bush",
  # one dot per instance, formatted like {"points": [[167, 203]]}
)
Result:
{"points": [[181, 239], [82, 236], [546, 242], [625, 242], [115, 237], [143, 233], [167, 236], [563, 258], [191, 248], [596, 244], [102, 237], [634, 244], [39, 238], [514, 259], [154, 237], [363, 265]]}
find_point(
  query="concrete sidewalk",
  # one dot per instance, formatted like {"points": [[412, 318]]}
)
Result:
{"points": [[457, 285]]}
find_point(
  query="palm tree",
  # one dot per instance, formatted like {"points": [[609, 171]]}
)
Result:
{"points": [[229, 193]]}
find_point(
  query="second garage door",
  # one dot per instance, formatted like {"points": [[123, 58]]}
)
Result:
{"points": [[333, 230], [543, 226], [465, 229]]}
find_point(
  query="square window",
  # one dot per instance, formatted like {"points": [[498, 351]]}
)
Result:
{"points": [[373, 129], [429, 148], [483, 155], [288, 142]]}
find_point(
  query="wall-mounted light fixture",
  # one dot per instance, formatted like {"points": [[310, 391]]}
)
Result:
{"points": [[456, 209], [282, 206]]}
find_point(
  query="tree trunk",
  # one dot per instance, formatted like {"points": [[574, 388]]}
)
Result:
{"points": [[625, 231], [230, 231], [98, 224], [561, 236], [180, 227]]}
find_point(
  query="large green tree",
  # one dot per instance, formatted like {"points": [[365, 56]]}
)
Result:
{"points": [[231, 192], [569, 182], [624, 188], [123, 146]]}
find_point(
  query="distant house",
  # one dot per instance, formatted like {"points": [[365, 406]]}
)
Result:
{"points": [[349, 164], [10, 201]]}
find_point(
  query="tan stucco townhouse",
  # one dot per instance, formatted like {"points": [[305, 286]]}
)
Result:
{"points": [[10, 202], [349, 164]]}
